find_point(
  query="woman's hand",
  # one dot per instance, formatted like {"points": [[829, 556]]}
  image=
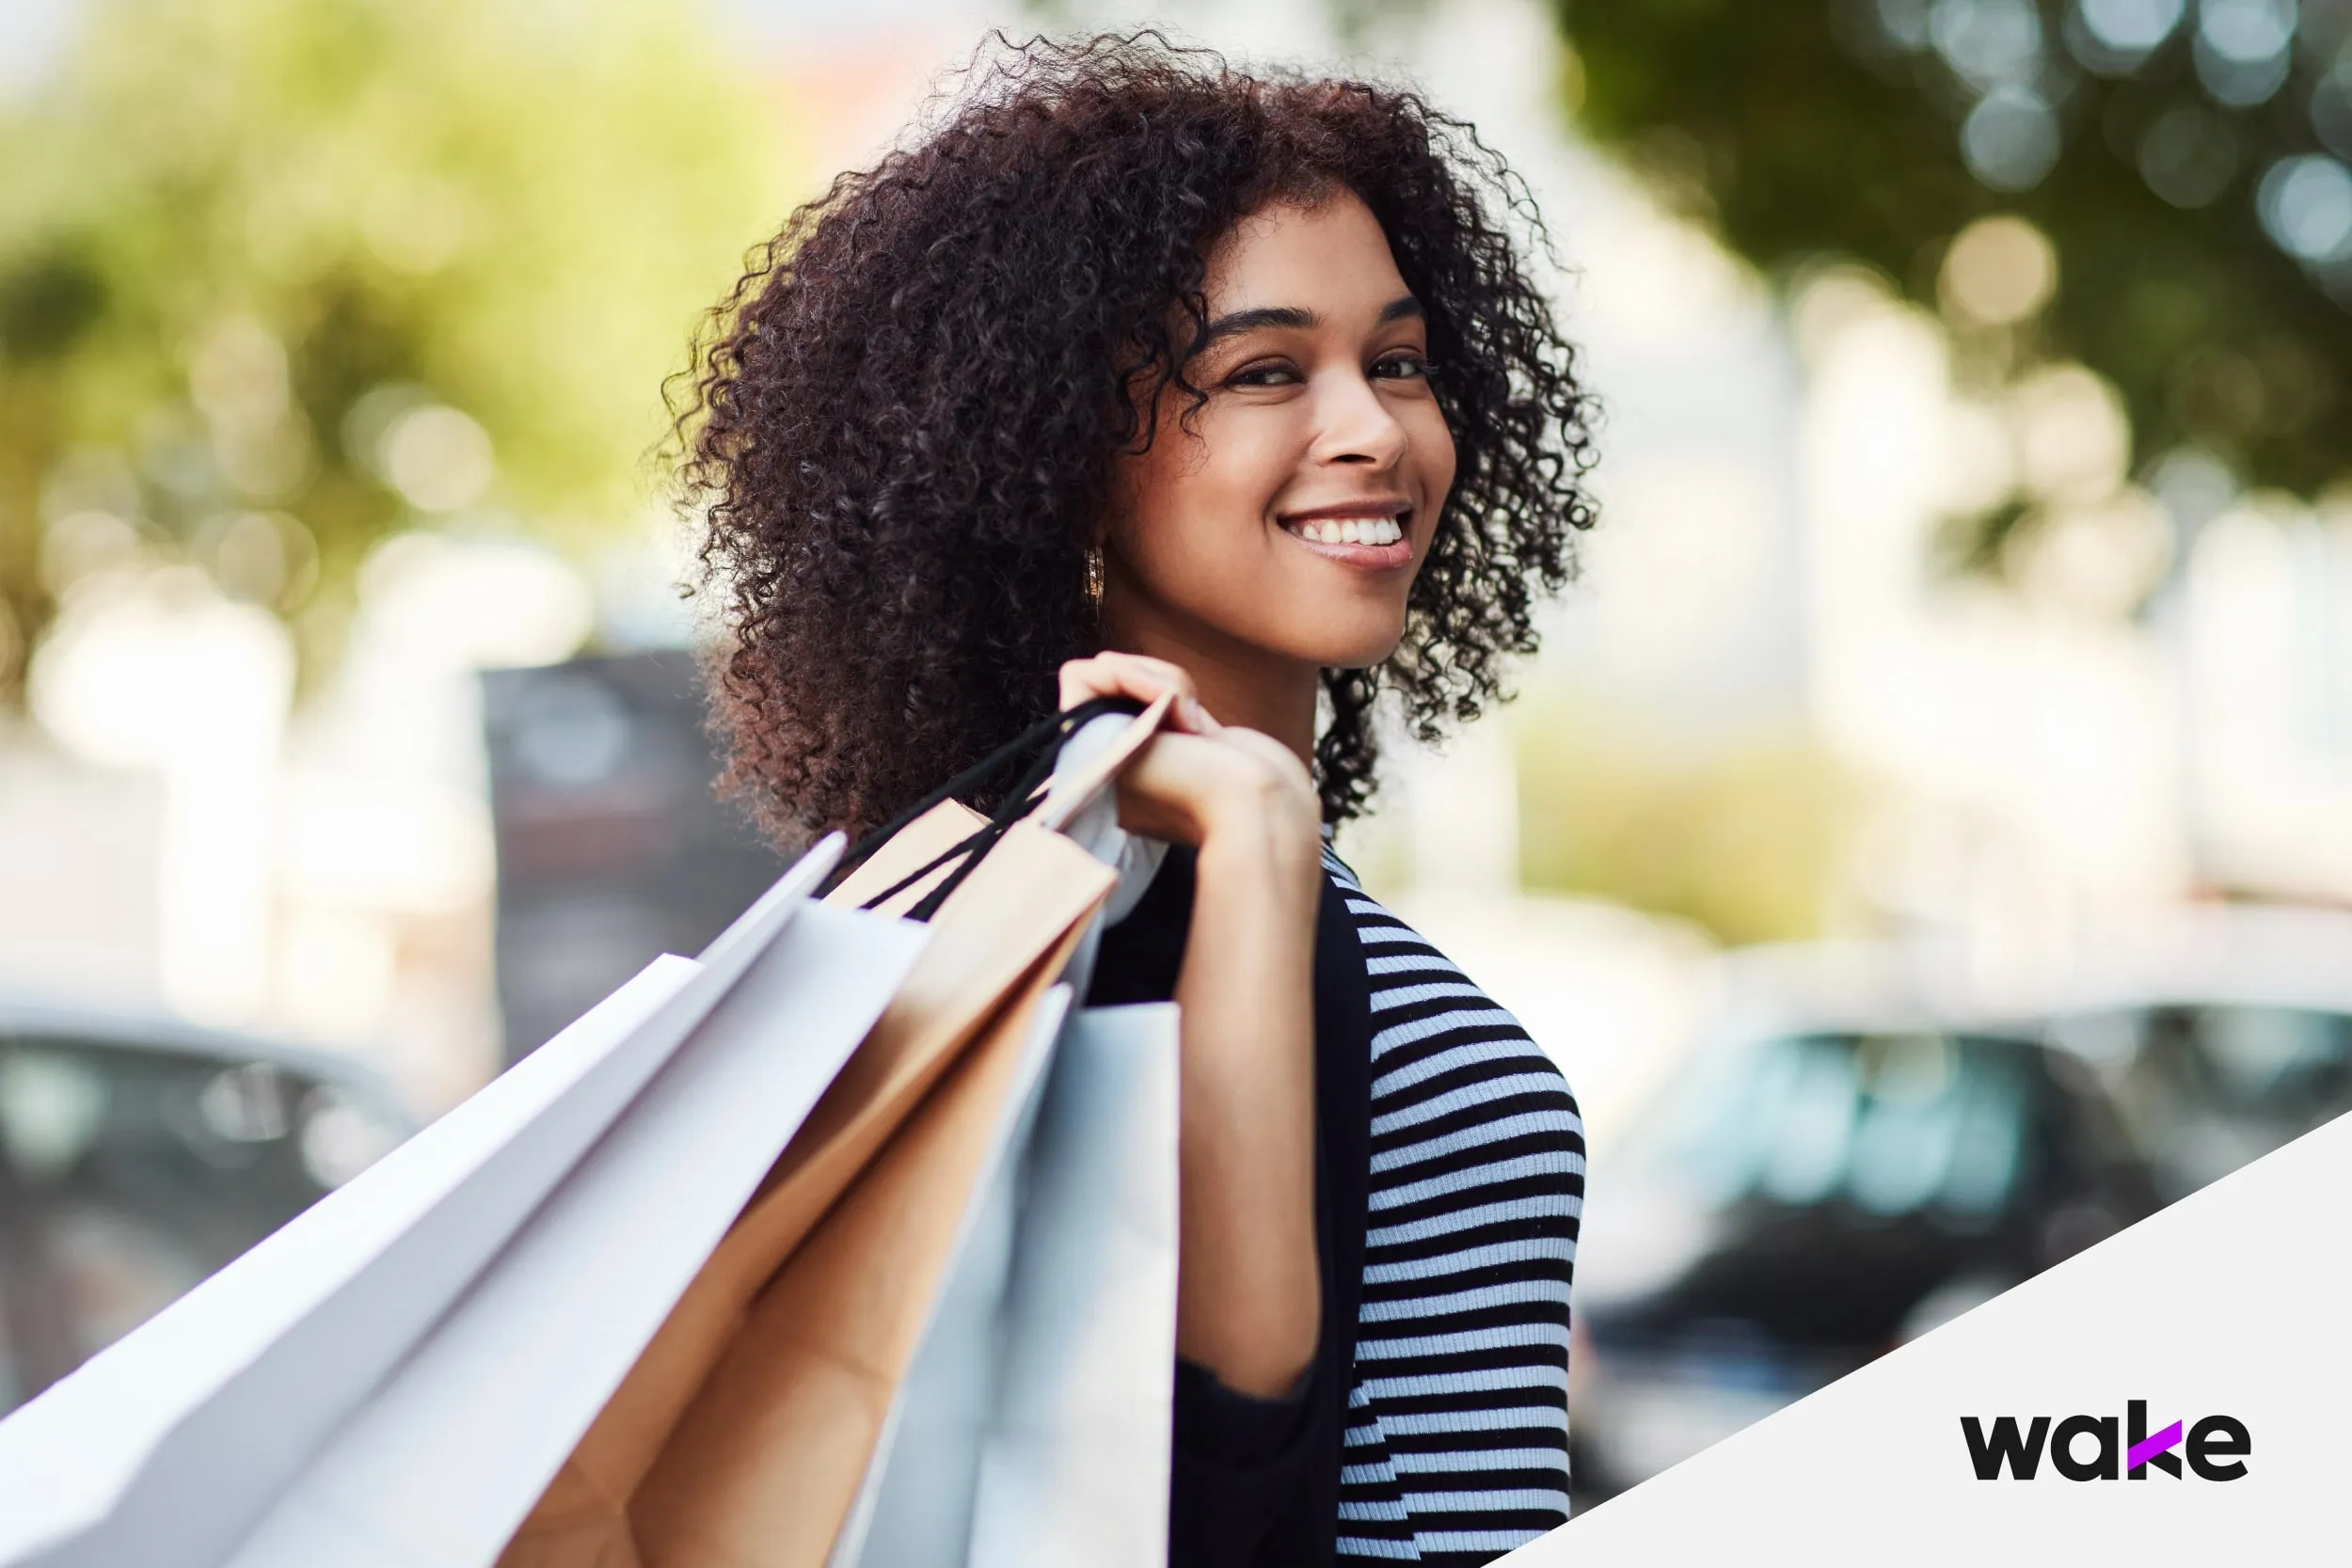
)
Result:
{"points": [[1198, 778], [1248, 1294]]}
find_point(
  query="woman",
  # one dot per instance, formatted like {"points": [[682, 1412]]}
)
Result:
{"points": [[1135, 374]]}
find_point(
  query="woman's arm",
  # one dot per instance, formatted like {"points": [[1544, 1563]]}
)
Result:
{"points": [[1249, 1291], [1249, 1301]]}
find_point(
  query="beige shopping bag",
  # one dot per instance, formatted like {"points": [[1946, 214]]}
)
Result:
{"points": [[912, 849], [768, 1461], [740, 1438]]}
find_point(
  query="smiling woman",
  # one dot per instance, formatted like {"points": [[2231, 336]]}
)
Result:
{"points": [[1319, 444], [1138, 375]]}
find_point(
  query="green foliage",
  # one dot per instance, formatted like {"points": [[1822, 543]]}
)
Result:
{"points": [[240, 239], [1861, 128], [1744, 839]]}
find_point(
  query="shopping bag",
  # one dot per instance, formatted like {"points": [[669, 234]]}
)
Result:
{"points": [[916, 1505], [440, 1465], [915, 860], [1033, 1428], [167, 1446], [744, 1432], [927, 1437], [767, 1465], [1073, 1464]]}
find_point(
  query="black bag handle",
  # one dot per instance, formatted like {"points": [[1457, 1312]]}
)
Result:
{"points": [[1040, 743]]}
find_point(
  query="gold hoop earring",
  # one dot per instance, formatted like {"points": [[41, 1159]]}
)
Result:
{"points": [[1095, 577]]}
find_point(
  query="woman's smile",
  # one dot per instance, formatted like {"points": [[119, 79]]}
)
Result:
{"points": [[1374, 535]]}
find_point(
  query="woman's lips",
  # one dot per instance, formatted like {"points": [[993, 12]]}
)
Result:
{"points": [[1364, 556]]}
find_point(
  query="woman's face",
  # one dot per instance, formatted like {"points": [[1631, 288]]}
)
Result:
{"points": [[1289, 515]]}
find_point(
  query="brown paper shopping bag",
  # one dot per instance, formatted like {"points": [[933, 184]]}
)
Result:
{"points": [[740, 1438], [918, 856], [769, 1461]]}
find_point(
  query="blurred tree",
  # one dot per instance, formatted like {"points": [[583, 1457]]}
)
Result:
{"points": [[2186, 162], [279, 276], [1742, 837]]}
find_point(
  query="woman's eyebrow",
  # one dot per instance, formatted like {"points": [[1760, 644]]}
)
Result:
{"points": [[1250, 321], [1296, 317]]}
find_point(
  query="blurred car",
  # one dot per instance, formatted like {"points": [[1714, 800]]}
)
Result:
{"points": [[1874, 1148], [2206, 1086], [138, 1155], [2221, 1033], [1797, 1204]]}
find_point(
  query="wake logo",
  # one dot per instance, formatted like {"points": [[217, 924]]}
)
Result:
{"points": [[2216, 1447]]}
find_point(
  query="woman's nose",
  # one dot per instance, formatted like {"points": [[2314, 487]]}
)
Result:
{"points": [[1356, 425]]}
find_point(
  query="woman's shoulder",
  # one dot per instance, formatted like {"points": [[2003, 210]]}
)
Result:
{"points": [[1426, 1012]]}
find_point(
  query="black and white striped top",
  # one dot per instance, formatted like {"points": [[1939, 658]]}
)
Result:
{"points": [[1456, 1441]]}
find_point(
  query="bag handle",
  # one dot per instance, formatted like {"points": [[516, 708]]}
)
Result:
{"points": [[1070, 794], [1041, 743]]}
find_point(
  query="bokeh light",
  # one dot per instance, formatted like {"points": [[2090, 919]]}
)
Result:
{"points": [[2097, 562], [2073, 443], [2244, 48], [1905, 23], [265, 558], [1987, 42], [2306, 207], [2133, 27], [2011, 138], [2188, 156], [1999, 271], [437, 457], [2332, 105]]}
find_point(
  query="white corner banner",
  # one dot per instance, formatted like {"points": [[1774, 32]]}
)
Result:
{"points": [[2180, 1393]]}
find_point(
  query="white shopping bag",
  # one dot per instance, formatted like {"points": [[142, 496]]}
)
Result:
{"points": [[1033, 1426], [168, 1445], [915, 1502], [1074, 1457], [444, 1462]]}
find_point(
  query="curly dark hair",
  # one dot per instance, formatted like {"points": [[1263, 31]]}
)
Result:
{"points": [[903, 421]]}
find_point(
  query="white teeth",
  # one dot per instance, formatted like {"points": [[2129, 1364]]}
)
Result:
{"points": [[1352, 531]]}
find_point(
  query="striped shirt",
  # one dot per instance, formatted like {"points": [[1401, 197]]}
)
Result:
{"points": [[1456, 1441]]}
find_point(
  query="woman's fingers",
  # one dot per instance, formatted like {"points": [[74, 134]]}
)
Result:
{"points": [[1122, 674], [1182, 786], [1145, 679]]}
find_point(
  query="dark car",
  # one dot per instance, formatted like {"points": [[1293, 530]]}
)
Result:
{"points": [[1798, 1203], [2206, 1086], [139, 1155], [2222, 1031]]}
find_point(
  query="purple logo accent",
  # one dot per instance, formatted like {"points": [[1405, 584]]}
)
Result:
{"points": [[2149, 1448]]}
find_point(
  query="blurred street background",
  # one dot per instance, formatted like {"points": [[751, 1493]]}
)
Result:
{"points": [[1925, 840]]}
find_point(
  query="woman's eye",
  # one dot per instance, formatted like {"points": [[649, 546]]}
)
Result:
{"points": [[1267, 372], [1404, 365]]}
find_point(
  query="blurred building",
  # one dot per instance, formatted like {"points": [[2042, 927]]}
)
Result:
{"points": [[612, 848]]}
